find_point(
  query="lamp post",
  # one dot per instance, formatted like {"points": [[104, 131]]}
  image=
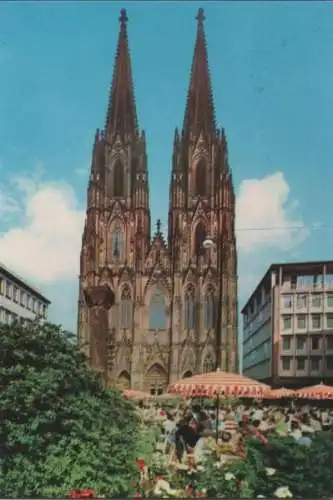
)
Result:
{"points": [[208, 244]]}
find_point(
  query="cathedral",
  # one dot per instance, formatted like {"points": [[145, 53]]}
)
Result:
{"points": [[152, 308]]}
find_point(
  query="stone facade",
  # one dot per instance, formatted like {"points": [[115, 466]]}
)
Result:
{"points": [[149, 307]]}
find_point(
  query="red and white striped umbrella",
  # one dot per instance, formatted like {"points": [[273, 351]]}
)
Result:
{"points": [[280, 393], [320, 391], [219, 383]]}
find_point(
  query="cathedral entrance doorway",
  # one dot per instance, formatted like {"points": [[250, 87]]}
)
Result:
{"points": [[124, 380], [156, 380], [188, 374]]}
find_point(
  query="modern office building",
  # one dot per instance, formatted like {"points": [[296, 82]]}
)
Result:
{"points": [[288, 325], [18, 299]]}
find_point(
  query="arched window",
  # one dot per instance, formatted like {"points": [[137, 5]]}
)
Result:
{"points": [[208, 364], [126, 308], [199, 238], [157, 314], [118, 179], [117, 244], [200, 178], [189, 309], [209, 309]]}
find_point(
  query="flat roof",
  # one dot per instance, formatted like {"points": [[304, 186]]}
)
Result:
{"points": [[286, 265], [22, 282]]}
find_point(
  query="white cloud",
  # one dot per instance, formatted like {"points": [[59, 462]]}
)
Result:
{"points": [[265, 215], [46, 245]]}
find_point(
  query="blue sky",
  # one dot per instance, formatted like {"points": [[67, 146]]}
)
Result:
{"points": [[272, 73]]}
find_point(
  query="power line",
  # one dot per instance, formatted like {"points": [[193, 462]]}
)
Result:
{"points": [[285, 228]]}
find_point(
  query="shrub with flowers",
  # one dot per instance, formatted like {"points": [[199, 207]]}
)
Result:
{"points": [[280, 468]]}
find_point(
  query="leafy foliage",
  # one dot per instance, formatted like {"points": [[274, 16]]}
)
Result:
{"points": [[305, 470], [60, 429]]}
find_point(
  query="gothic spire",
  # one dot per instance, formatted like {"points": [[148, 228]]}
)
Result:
{"points": [[199, 112], [121, 114]]}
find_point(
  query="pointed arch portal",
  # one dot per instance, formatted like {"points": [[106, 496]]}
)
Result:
{"points": [[156, 380], [124, 380]]}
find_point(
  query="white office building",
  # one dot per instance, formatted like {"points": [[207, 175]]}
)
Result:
{"points": [[18, 299]]}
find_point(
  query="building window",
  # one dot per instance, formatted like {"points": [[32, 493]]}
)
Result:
{"points": [[126, 308], [286, 322], [329, 320], [329, 343], [316, 321], [118, 179], [316, 300], [29, 302], [286, 344], [286, 362], [117, 244], [300, 364], [9, 290], [199, 238], [301, 321], [315, 343], [287, 301], [329, 363], [200, 178], [301, 301], [209, 309], [33, 305], [300, 343], [329, 299], [189, 309], [23, 299], [15, 294], [315, 364], [157, 316]]}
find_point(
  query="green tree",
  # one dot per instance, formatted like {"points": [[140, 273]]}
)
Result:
{"points": [[59, 429]]}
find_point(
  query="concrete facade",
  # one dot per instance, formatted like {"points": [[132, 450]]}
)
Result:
{"points": [[288, 325]]}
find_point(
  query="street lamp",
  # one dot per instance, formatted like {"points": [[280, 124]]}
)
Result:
{"points": [[208, 244]]}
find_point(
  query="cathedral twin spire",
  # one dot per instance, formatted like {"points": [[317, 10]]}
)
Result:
{"points": [[121, 113], [199, 113]]}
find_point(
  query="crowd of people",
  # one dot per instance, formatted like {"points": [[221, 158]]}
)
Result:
{"points": [[195, 430]]}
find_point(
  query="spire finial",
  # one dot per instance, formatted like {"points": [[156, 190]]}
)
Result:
{"points": [[200, 17], [123, 17], [158, 225]]}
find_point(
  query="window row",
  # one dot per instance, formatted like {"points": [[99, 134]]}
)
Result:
{"points": [[304, 322], [117, 183], [116, 250], [303, 300], [8, 317], [158, 310], [301, 363], [302, 342], [19, 296]]}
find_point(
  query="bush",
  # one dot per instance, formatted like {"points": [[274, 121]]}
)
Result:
{"points": [[60, 430], [305, 470]]}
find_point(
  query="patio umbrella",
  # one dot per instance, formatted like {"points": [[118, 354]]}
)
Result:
{"points": [[280, 393], [216, 384], [219, 384], [132, 394], [320, 391]]}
